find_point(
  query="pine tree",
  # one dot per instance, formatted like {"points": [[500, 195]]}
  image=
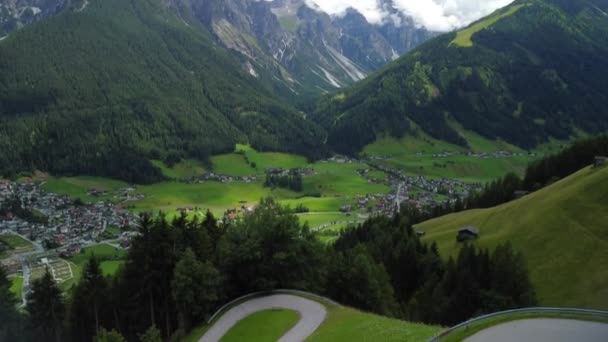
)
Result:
{"points": [[46, 309], [11, 320], [86, 310], [195, 289], [108, 336]]}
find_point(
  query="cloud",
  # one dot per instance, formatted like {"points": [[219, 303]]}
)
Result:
{"points": [[435, 15]]}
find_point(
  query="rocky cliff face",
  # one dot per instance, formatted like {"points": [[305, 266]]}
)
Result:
{"points": [[307, 50]]}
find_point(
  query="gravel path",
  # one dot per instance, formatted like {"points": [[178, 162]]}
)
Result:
{"points": [[312, 314], [544, 330]]}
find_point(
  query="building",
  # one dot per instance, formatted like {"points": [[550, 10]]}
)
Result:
{"points": [[600, 161], [467, 233]]}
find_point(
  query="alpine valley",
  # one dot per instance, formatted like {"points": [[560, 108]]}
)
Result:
{"points": [[342, 175]]}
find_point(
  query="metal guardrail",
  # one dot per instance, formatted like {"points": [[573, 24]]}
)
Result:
{"points": [[540, 310], [267, 293]]}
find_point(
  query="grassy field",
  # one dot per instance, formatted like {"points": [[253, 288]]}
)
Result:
{"points": [[464, 37], [77, 187], [341, 179], [561, 230], [232, 164], [346, 324], [415, 156], [264, 160], [316, 220], [184, 169], [262, 326], [14, 241], [110, 257], [17, 286]]}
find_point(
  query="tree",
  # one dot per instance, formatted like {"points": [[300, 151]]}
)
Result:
{"points": [[46, 309], [357, 280], [151, 335], [108, 336], [195, 288], [10, 328], [86, 308]]}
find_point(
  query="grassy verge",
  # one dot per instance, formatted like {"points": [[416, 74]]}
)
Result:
{"points": [[262, 326], [346, 324], [477, 327]]}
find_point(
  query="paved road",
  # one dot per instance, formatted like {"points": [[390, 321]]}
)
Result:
{"points": [[312, 314], [544, 330]]}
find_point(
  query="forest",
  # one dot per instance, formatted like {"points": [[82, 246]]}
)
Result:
{"points": [[178, 273]]}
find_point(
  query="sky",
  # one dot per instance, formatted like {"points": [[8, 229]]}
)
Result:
{"points": [[435, 15]]}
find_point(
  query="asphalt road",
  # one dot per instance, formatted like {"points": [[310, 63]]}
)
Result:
{"points": [[312, 314], [544, 330]]}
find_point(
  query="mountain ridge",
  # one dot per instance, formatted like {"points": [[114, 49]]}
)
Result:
{"points": [[520, 81]]}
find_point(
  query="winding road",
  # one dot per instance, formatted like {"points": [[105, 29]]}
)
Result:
{"points": [[544, 330], [312, 314]]}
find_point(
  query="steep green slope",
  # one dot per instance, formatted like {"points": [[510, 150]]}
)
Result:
{"points": [[533, 70], [562, 230], [106, 89]]}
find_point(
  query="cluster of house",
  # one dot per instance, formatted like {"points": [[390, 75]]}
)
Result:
{"points": [[67, 226], [210, 176], [127, 194]]}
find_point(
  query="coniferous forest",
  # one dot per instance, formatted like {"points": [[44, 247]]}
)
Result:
{"points": [[177, 274]]}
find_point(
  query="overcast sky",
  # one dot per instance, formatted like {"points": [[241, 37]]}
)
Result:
{"points": [[435, 15]]}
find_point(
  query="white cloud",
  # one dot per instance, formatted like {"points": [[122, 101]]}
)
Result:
{"points": [[436, 15]]}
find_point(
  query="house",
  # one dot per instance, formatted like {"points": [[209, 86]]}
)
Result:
{"points": [[467, 233], [347, 208], [420, 233], [11, 266], [600, 161]]}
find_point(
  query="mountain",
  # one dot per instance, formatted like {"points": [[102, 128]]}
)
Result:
{"points": [[529, 72], [104, 89], [561, 230], [300, 51], [307, 51]]}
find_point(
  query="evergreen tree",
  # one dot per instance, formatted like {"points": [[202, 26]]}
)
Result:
{"points": [[108, 336], [11, 320], [196, 289], [46, 309], [151, 335], [87, 312]]}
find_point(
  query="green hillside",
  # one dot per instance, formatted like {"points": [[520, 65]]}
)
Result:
{"points": [[562, 231], [105, 90], [515, 77]]}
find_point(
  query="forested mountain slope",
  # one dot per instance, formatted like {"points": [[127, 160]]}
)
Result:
{"points": [[101, 91], [533, 70]]}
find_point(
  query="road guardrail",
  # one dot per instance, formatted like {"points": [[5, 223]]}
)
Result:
{"points": [[540, 310]]}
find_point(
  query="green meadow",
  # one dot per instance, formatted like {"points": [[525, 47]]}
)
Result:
{"points": [[110, 259], [183, 169], [263, 326], [464, 37], [16, 286], [561, 230]]}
